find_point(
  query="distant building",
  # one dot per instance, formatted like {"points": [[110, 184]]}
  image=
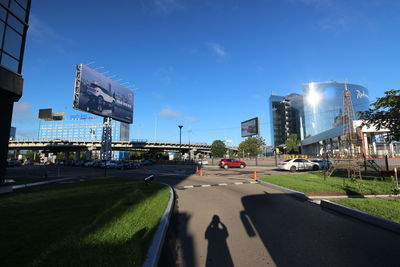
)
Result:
{"points": [[82, 127], [13, 132], [287, 117]]}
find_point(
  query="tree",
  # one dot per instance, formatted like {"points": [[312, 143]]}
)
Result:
{"points": [[292, 144], [252, 146], [232, 153], [385, 113], [218, 148]]}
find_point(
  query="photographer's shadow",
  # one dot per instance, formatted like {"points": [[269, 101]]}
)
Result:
{"points": [[217, 250]]}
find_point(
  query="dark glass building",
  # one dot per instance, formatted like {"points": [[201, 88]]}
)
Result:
{"points": [[286, 113], [14, 17]]}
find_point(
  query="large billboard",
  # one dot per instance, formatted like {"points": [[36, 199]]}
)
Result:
{"points": [[250, 127], [97, 94]]}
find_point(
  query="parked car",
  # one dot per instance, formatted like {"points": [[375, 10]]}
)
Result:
{"points": [[112, 164], [13, 163], [231, 163], [89, 163], [78, 163], [297, 164], [98, 163], [29, 162], [323, 164], [133, 165], [202, 162], [146, 162]]}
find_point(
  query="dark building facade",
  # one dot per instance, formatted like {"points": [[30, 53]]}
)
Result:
{"points": [[14, 17], [13, 133], [286, 116]]}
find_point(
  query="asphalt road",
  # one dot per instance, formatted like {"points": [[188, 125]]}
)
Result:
{"points": [[253, 225], [221, 219]]}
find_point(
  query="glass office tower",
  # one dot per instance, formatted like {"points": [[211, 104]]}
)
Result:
{"points": [[323, 104], [286, 116]]}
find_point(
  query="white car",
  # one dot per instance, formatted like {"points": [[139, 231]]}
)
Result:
{"points": [[323, 164], [297, 164], [100, 97], [202, 162]]}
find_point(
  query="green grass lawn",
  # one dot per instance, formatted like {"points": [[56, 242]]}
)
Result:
{"points": [[314, 184], [98, 222], [385, 208]]}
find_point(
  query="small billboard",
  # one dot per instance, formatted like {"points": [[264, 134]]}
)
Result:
{"points": [[97, 94], [45, 114], [250, 127]]}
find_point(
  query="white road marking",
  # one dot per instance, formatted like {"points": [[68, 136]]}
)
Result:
{"points": [[209, 185]]}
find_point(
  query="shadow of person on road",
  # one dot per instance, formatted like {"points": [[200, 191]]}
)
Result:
{"points": [[217, 250]]}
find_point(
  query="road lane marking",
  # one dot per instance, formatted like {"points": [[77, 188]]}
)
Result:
{"points": [[210, 185]]}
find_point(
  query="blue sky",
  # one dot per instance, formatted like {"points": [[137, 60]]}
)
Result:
{"points": [[205, 64]]}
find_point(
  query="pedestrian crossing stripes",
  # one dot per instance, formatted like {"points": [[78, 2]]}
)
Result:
{"points": [[209, 185]]}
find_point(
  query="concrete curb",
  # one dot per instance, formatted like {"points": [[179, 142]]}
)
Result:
{"points": [[154, 251], [44, 182], [355, 196], [11, 188], [362, 216], [294, 193]]}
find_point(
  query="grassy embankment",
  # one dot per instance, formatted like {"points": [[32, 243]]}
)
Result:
{"points": [[314, 184], [385, 208], [98, 222]]}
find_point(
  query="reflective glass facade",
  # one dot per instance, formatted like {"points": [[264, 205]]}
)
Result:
{"points": [[81, 128], [14, 15], [323, 104]]}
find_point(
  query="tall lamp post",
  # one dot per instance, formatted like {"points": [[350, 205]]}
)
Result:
{"points": [[180, 141]]}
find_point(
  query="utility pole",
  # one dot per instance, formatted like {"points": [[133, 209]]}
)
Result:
{"points": [[180, 141]]}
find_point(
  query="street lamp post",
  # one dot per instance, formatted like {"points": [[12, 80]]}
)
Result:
{"points": [[180, 141]]}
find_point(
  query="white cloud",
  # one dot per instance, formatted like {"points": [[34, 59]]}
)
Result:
{"points": [[21, 108], [335, 23], [168, 6], [22, 113], [192, 120], [169, 113], [165, 74], [43, 33], [217, 49], [315, 3]]}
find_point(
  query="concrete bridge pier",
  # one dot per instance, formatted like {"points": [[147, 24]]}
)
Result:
{"points": [[77, 155], [88, 154]]}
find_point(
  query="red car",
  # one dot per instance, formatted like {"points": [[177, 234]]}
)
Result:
{"points": [[231, 163]]}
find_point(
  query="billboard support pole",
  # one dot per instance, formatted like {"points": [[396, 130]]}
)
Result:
{"points": [[106, 140]]}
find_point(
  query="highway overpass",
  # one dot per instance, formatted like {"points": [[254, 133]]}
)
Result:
{"points": [[87, 145]]}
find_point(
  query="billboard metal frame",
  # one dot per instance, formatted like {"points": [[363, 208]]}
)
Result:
{"points": [[77, 84], [257, 124]]}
